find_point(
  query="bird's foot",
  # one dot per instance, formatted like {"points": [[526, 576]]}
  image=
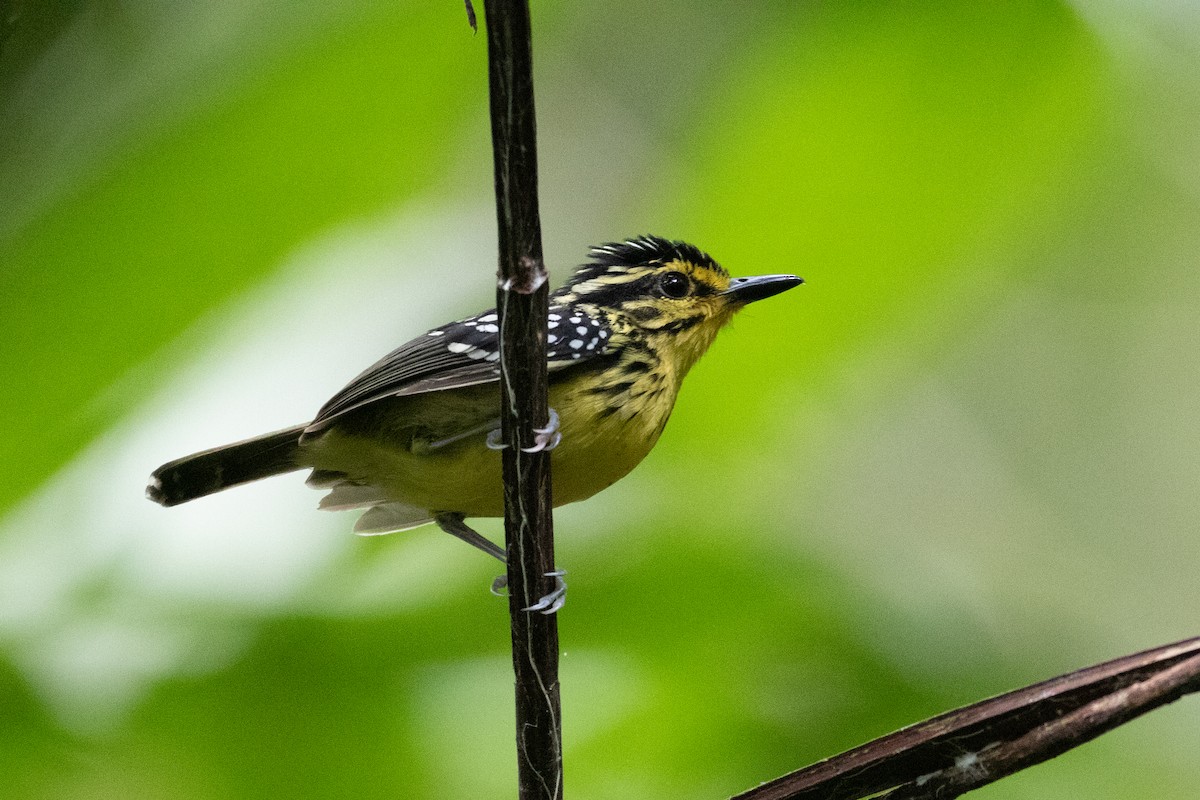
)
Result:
{"points": [[547, 604], [546, 438], [556, 599]]}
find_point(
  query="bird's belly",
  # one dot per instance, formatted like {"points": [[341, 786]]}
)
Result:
{"points": [[595, 451]]}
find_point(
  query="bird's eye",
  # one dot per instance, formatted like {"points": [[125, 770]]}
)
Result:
{"points": [[674, 285]]}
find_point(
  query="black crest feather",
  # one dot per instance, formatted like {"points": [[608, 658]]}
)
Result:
{"points": [[645, 249]]}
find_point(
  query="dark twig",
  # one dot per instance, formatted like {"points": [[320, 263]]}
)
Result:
{"points": [[964, 749], [1056, 737], [522, 299]]}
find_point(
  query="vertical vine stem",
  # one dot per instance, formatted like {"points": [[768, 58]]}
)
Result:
{"points": [[522, 298]]}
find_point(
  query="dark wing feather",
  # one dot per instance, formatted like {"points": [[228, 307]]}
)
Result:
{"points": [[464, 353]]}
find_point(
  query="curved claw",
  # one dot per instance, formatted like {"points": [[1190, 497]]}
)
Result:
{"points": [[557, 598], [544, 442], [548, 604], [551, 423], [546, 438]]}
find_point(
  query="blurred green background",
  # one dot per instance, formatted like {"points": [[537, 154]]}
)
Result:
{"points": [[961, 459]]}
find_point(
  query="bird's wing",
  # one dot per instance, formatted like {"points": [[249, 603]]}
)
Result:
{"points": [[464, 353]]}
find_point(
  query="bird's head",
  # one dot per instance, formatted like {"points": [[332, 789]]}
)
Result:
{"points": [[669, 293]]}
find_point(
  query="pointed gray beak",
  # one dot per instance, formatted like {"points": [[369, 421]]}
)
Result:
{"points": [[747, 290]]}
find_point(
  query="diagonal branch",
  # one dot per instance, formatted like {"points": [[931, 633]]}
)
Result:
{"points": [[1055, 737], [522, 299], [970, 747]]}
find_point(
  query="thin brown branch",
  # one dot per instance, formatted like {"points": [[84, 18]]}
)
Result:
{"points": [[522, 299], [1043, 743], [964, 749]]}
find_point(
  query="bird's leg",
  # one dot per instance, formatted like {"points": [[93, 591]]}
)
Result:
{"points": [[452, 523], [546, 438], [458, 437]]}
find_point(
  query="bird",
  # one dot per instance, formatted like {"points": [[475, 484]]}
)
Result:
{"points": [[413, 439]]}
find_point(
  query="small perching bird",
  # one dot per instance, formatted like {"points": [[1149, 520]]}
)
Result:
{"points": [[413, 438]]}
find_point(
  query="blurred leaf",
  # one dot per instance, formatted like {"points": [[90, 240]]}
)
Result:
{"points": [[883, 151], [184, 218]]}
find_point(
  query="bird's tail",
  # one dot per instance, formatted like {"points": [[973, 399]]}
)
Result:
{"points": [[212, 470]]}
